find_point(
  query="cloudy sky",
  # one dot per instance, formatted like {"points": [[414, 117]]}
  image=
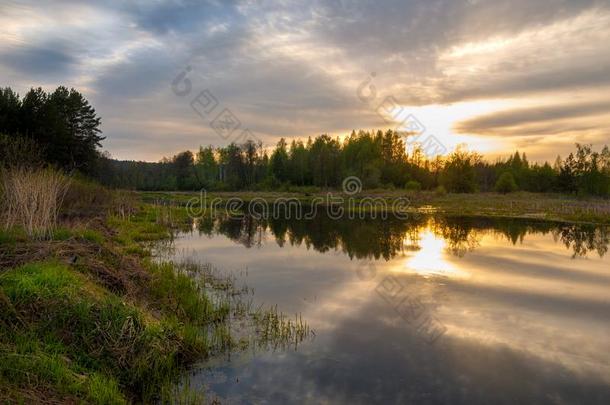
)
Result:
{"points": [[497, 75]]}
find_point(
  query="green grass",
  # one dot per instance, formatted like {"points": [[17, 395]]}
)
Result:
{"points": [[11, 236], [177, 292], [62, 234], [38, 302], [91, 236], [142, 227], [65, 332], [36, 367], [276, 330]]}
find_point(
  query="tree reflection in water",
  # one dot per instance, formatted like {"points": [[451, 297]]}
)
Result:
{"points": [[376, 238]]}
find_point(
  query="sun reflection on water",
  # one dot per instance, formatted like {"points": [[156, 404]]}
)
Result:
{"points": [[431, 258]]}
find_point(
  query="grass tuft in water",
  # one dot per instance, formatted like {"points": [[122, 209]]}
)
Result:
{"points": [[275, 329]]}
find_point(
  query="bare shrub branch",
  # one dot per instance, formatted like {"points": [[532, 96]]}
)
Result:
{"points": [[31, 198]]}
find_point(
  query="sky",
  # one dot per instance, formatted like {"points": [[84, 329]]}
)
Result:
{"points": [[168, 75]]}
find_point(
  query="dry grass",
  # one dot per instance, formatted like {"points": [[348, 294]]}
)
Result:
{"points": [[31, 199], [86, 198]]}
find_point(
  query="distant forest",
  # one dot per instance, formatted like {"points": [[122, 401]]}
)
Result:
{"points": [[62, 129]]}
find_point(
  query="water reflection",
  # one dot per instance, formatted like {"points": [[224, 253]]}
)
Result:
{"points": [[526, 305], [376, 238], [429, 258]]}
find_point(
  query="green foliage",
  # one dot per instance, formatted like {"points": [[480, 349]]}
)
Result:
{"points": [[206, 167], [130, 233], [506, 183], [39, 281], [104, 390], [586, 173], [85, 196], [183, 165], [459, 175], [299, 169], [278, 165], [540, 179], [31, 364], [413, 185], [325, 162], [91, 235]]}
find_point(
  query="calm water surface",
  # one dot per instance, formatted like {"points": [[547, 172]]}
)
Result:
{"points": [[434, 310]]}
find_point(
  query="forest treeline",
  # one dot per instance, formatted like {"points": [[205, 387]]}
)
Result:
{"points": [[62, 129], [380, 159]]}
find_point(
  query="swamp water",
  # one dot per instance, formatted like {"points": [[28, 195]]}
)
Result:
{"points": [[430, 310]]}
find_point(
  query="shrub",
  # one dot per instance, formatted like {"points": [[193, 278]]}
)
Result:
{"points": [[506, 183], [31, 199], [440, 191], [413, 186]]}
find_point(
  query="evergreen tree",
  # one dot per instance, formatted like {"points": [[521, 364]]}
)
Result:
{"points": [[506, 183], [279, 162], [62, 123]]}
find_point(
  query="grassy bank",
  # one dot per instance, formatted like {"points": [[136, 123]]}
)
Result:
{"points": [[553, 207], [89, 316]]}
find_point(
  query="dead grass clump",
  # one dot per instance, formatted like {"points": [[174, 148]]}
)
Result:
{"points": [[31, 199]]}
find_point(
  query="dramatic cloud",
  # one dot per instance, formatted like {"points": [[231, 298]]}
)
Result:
{"points": [[495, 74], [519, 117]]}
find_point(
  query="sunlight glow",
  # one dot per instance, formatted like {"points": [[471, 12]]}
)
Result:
{"points": [[440, 119], [430, 259]]}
